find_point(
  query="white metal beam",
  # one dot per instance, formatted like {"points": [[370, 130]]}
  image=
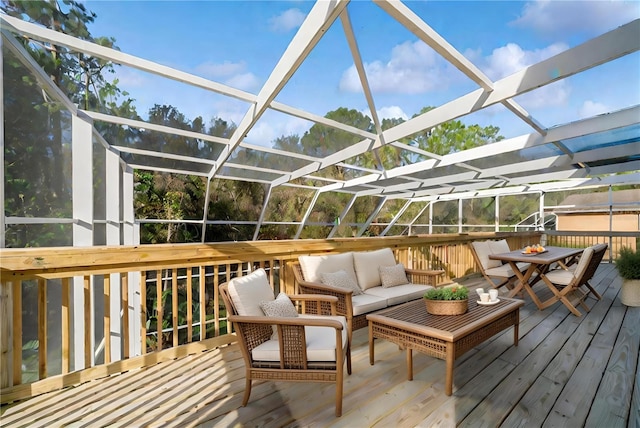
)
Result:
{"points": [[317, 22]]}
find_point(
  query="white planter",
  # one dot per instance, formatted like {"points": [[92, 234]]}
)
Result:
{"points": [[630, 292]]}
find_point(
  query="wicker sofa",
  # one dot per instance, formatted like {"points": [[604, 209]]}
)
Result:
{"points": [[377, 279]]}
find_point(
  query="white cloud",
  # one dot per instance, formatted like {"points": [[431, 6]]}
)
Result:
{"points": [[210, 69], [392, 112], [265, 131], [511, 58], [592, 108], [287, 20], [245, 81], [561, 17], [130, 78], [233, 74], [414, 68]]}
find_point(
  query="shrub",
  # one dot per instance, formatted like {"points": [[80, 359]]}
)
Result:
{"points": [[628, 263], [447, 293]]}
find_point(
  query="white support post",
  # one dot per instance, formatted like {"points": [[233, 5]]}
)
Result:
{"points": [[459, 215], [541, 211], [2, 219], [82, 201], [496, 217], [113, 200], [131, 237], [431, 218]]}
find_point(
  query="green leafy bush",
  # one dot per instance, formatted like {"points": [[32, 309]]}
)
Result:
{"points": [[628, 263], [447, 293]]}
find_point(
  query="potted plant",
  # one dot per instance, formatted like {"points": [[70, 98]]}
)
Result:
{"points": [[449, 300], [628, 265]]}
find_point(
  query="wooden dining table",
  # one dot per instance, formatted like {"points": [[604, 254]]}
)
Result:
{"points": [[539, 264]]}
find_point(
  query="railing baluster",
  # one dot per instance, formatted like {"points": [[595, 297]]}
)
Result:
{"points": [[159, 311], [107, 318], [17, 332], [216, 300], [65, 325], [124, 286], [189, 305], [203, 313], [143, 311], [42, 328], [88, 348], [174, 305]]}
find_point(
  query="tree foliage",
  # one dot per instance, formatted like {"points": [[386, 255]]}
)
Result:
{"points": [[173, 196]]}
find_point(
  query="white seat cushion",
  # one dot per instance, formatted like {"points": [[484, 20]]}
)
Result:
{"points": [[321, 343], [249, 291], [502, 270], [399, 293], [560, 276], [367, 263], [365, 303], [483, 250], [313, 266]]}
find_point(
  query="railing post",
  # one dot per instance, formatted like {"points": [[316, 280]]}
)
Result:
{"points": [[6, 335]]}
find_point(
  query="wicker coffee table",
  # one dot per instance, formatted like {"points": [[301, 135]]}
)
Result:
{"points": [[442, 336]]}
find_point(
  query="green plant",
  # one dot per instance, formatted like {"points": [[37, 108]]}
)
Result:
{"points": [[628, 263], [447, 293]]}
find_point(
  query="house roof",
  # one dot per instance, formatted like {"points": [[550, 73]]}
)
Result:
{"points": [[621, 200]]}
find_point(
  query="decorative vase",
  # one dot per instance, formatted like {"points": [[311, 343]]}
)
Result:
{"points": [[630, 292], [447, 307]]}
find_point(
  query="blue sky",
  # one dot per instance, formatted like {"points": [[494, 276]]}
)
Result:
{"points": [[239, 42]]}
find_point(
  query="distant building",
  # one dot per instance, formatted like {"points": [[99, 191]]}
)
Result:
{"points": [[594, 212]]}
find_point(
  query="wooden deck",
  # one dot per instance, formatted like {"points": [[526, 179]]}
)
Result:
{"points": [[567, 371]]}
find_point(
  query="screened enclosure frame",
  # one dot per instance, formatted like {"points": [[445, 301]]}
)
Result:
{"points": [[602, 150]]}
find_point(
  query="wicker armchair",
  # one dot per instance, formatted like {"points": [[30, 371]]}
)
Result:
{"points": [[304, 348]]}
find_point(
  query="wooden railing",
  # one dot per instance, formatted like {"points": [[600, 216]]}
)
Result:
{"points": [[581, 239], [73, 314]]}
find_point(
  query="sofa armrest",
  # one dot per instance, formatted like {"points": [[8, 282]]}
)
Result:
{"points": [[425, 277], [317, 303], [344, 303]]}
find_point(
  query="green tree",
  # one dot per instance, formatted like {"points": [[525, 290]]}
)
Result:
{"points": [[37, 131]]}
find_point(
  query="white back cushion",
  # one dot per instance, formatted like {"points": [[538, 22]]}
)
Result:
{"points": [[367, 264], [498, 247], [313, 266], [585, 258], [247, 292], [483, 250]]}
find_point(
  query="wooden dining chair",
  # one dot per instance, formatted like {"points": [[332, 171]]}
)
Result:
{"points": [[279, 344], [572, 286], [495, 270]]}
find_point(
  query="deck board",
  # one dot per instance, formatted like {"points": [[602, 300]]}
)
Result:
{"points": [[567, 370]]}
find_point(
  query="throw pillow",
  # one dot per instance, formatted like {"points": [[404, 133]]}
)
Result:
{"points": [[340, 279], [393, 275], [280, 307]]}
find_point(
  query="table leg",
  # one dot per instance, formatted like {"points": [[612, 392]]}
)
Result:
{"points": [[524, 282], [448, 380], [371, 351], [409, 364]]}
